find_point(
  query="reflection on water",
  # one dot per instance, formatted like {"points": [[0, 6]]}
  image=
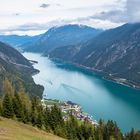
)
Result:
{"points": [[99, 97]]}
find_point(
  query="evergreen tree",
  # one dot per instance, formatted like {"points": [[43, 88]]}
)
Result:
{"points": [[17, 106], [56, 117], [7, 87], [34, 113], [0, 107], [133, 135], [98, 134], [87, 131], [40, 119], [72, 128], [7, 105], [60, 131], [100, 130], [26, 115], [26, 105], [111, 130], [47, 119]]}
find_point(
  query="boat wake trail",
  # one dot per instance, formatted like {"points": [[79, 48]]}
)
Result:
{"points": [[68, 87]]}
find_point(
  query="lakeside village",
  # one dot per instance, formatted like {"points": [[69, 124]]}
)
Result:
{"points": [[68, 106]]}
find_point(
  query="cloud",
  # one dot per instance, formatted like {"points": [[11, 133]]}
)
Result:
{"points": [[99, 14], [36, 28], [133, 10], [17, 14], [130, 13], [44, 5], [117, 16], [33, 26]]}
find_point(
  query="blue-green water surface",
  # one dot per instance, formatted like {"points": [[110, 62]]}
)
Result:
{"points": [[98, 97]]}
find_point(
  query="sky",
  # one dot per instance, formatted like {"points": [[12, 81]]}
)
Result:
{"points": [[33, 17]]}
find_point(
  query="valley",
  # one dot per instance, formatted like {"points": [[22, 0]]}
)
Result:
{"points": [[113, 53], [70, 70]]}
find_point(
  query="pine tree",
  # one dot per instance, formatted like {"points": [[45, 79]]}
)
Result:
{"points": [[56, 117], [72, 128], [26, 106], [34, 111], [98, 134], [7, 105], [7, 87], [112, 131], [47, 119], [133, 135], [40, 119], [0, 107], [17, 106], [60, 131], [26, 115], [87, 131]]}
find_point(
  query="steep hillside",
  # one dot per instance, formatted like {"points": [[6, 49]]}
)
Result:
{"points": [[62, 36], [15, 40], [18, 70], [13, 130], [115, 53]]}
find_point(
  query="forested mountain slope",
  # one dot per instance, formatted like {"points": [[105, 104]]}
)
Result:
{"points": [[18, 70], [114, 52]]}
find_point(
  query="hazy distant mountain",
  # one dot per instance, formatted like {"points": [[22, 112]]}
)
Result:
{"points": [[15, 40], [17, 69], [115, 53], [62, 36]]}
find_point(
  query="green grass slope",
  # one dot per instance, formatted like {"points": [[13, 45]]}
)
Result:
{"points": [[13, 130]]}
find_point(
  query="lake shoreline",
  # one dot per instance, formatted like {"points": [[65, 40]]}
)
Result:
{"points": [[69, 106], [104, 75]]}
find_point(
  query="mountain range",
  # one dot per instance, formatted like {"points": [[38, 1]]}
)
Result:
{"points": [[16, 40], [114, 53], [61, 36]]}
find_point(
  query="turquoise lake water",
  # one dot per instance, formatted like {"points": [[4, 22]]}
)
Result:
{"points": [[98, 97]]}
